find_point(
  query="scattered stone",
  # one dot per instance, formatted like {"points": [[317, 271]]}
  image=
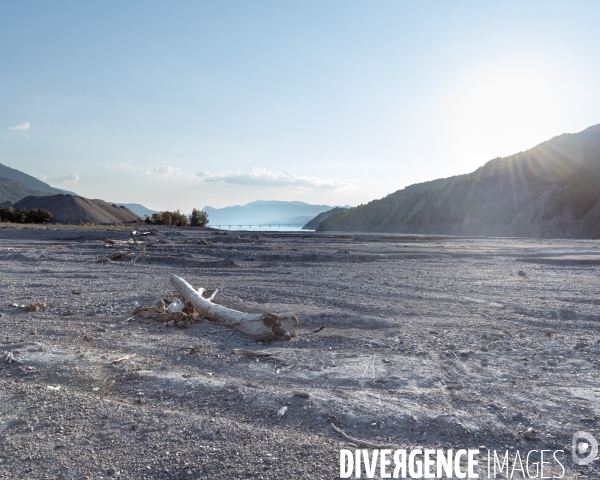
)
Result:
{"points": [[281, 411], [531, 434], [302, 394]]}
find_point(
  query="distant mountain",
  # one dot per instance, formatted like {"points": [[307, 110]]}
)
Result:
{"points": [[551, 190], [264, 213], [11, 190], [314, 223], [138, 209], [27, 180], [74, 210], [15, 185]]}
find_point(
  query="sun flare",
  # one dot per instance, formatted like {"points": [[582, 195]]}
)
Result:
{"points": [[504, 112]]}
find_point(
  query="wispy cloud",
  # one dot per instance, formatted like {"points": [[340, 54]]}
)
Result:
{"points": [[69, 178], [163, 170], [23, 127], [264, 177]]}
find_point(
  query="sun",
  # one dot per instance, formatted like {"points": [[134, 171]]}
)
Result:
{"points": [[502, 111]]}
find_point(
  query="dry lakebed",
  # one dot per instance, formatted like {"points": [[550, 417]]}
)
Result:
{"points": [[428, 341]]}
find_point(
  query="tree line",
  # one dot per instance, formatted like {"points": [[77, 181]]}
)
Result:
{"points": [[37, 215], [198, 218]]}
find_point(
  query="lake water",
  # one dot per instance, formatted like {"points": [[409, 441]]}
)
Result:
{"points": [[256, 228]]}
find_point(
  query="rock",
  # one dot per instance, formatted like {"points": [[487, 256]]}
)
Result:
{"points": [[281, 411], [176, 306], [464, 354], [531, 434], [302, 394]]}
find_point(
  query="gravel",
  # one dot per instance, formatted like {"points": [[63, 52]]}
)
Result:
{"points": [[429, 341]]}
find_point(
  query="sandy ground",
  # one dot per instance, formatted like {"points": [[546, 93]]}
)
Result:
{"points": [[429, 341]]}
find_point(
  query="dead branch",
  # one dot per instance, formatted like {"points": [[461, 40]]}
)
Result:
{"points": [[265, 326], [122, 243], [116, 256], [10, 358], [13, 345], [139, 255], [360, 443]]}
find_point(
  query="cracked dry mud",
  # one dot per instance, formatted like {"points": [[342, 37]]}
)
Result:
{"points": [[430, 341]]}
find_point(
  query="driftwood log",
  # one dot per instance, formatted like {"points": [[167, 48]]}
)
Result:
{"points": [[262, 326]]}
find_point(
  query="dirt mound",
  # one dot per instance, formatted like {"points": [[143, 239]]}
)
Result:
{"points": [[75, 210]]}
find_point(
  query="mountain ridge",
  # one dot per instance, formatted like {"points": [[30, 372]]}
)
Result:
{"points": [[264, 212], [550, 190], [15, 185]]}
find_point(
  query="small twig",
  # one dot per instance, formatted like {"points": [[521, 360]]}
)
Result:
{"points": [[122, 359], [212, 297], [317, 330], [139, 255], [360, 443], [130, 318]]}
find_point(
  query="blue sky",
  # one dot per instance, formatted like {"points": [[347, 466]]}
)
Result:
{"points": [[187, 104]]}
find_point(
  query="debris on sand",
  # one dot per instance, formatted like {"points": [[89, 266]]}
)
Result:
{"points": [[359, 443], [9, 357], [160, 313], [122, 359], [263, 326], [116, 256], [34, 307], [123, 243]]}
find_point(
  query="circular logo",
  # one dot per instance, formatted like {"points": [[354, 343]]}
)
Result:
{"points": [[584, 449]]}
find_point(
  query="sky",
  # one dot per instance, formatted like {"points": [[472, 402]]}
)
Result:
{"points": [[180, 105]]}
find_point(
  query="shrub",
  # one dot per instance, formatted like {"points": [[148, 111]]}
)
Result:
{"points": [[38, 215], [199, 218], [177, 218]]}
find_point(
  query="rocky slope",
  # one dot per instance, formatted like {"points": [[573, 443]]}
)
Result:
{"points": [[551, 190], [13, 191], [315, 222], [74, 210]]}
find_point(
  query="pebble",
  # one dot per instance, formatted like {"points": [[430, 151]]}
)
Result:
{"points": [[281, 411]]}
